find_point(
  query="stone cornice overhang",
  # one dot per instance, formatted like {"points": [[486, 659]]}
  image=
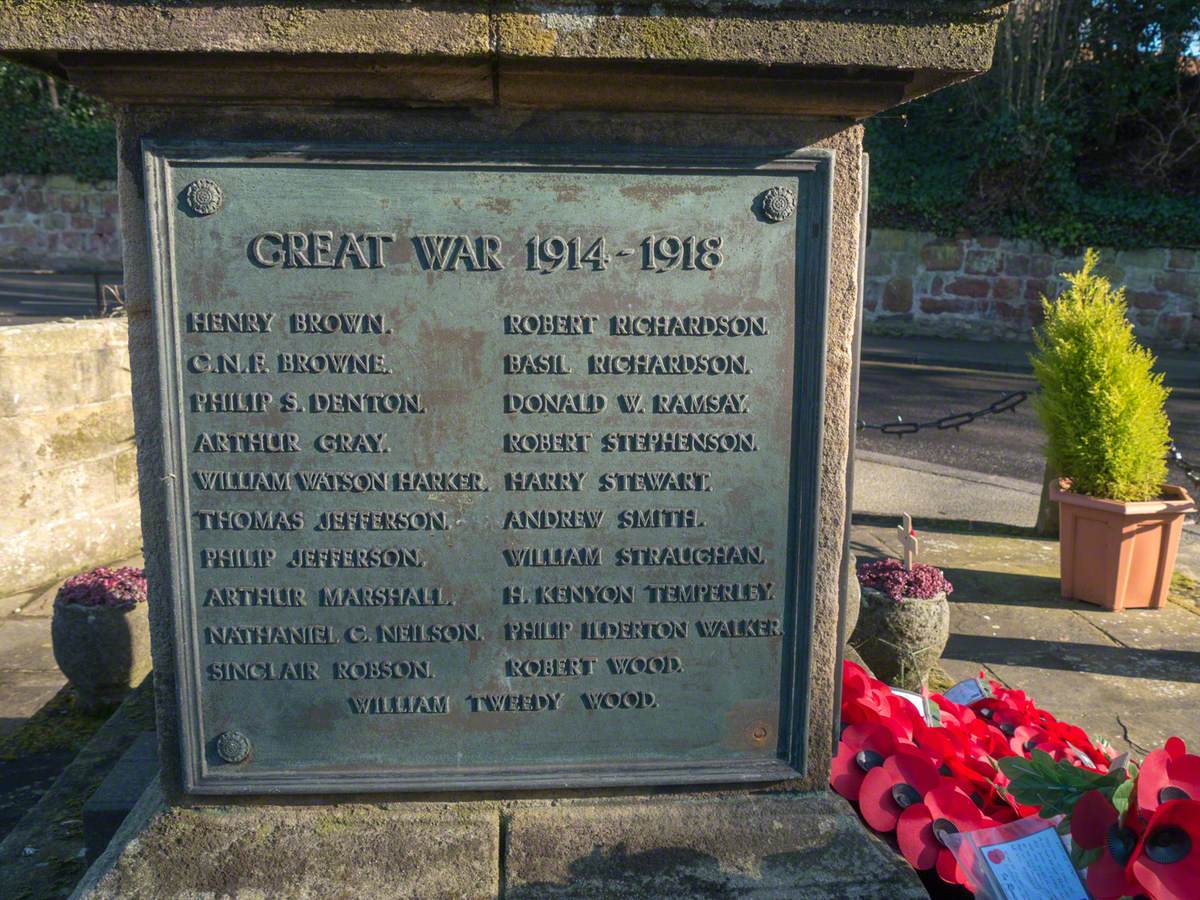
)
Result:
{"points": [[849, 58]]}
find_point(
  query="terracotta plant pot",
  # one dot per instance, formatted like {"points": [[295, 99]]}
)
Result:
{"points": [[900, 640], [103, 650], [1119, 555]]}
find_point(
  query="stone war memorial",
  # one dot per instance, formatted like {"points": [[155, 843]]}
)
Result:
{"points": [[493, 375]]}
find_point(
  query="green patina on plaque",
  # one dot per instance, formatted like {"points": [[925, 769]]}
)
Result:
{"points": [[493, 467]]}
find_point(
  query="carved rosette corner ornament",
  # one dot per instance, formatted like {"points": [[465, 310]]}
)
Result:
{"points": [[778, 203], [204, 197], [233, 747]]}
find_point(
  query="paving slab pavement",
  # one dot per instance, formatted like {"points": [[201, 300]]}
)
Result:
{"points": [[888, 486]]}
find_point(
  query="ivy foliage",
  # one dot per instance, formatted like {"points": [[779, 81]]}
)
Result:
{"points": [[1086, 132], [37, 137], [937, 169], [1101, 402]]}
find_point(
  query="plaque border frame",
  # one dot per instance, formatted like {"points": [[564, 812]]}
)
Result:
{"points": [[198, 775]]}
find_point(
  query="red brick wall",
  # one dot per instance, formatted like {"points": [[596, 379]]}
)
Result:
{"points": [[991, 288], [56, 222]]}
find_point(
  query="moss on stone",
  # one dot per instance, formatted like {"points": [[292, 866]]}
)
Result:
{"points": [[526, 35], [59, 725], [1185, 591], [661, 37], [45, 19], [283, 23]]}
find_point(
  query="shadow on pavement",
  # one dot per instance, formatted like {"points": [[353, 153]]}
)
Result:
{"points": [[1008, 589], [1071, 656], [948, 526]]}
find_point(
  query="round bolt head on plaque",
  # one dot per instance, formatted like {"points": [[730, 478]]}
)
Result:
{"points": [[778, 203], [204, 197], [233, 746]]}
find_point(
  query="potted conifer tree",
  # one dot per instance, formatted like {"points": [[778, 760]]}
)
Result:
{"points": [[1102, 406]]}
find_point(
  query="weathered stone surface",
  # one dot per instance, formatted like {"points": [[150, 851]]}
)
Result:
{"points": [[853, 597], [306, 27], [767, 845], [119, 793], [49, 366], [421, 851], [66, 439], [52, 549], [69, 435], [104, 651], [779, 37], [847, 59], [901, 640], [898, 295], [942, 256]]}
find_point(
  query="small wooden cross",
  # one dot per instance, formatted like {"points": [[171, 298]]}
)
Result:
{"points": [[909, 545]]}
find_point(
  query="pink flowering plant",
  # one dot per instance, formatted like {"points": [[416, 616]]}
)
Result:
{"points": [[889, 577], [119, 588]]}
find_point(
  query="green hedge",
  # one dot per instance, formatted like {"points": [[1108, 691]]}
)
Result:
{"points": [[78, 138], [1013, 179]]}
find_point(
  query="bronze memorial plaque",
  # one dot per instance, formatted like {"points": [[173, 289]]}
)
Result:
{"points": [[490, 467]]}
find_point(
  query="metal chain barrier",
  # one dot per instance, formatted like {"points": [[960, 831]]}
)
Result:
{"points": [[1190, 470], [1007, 403]]}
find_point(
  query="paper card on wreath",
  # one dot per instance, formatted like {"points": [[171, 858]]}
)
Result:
{"points": [[1021, 860], [912, 697], [968, 691]]}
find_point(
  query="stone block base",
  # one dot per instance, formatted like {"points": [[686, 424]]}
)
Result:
{"points": [[765, 845], [422, 851], [699, 846]]}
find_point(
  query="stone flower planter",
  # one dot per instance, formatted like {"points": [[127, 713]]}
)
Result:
{"points": [[853, 598], [103, 650], [901, 640], [1119, 555]]}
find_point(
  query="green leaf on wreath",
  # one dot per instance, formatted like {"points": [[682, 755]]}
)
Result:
{"points": [[1122, 795], [1054, 787]]}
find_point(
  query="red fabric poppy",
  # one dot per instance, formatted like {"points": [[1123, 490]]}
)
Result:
{"points": [[1167, 861], [855, 681], [921, 829], [986, 742], [862, 748], [1091, 818], [939, 743], [1095, 826], [1170, 773], [976, 779], [902, 781], [1027, 738]]}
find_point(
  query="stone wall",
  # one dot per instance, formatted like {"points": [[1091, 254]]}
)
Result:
{"points": [[57, 222], [68, 473], [989, 288]]}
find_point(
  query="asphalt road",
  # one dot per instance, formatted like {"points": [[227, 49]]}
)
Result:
{"points": [[27, 297], [1009, 444]]}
